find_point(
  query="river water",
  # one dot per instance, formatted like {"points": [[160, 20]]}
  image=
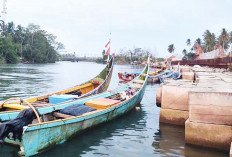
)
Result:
{"points": [[137, 133]]}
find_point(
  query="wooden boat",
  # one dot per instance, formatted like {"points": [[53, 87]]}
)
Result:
{"points": [[40, 136], [96, 85], [130, 76], [155, 72], [127, 76]]}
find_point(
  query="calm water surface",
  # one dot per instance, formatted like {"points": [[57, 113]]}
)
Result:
{"points": [[138, 133]]}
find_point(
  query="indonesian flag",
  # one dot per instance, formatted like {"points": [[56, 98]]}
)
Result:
{"points": [[107, 48]]}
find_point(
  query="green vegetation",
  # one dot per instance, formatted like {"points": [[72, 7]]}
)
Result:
{"points": [[30, 44], [130, 56], [171, 48], [103, 59], [209, 43]]}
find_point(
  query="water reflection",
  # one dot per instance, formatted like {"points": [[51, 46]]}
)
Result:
{"points": [[169, 141]]}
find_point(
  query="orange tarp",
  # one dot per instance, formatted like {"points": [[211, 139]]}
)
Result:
{"points": [[102, 103]]}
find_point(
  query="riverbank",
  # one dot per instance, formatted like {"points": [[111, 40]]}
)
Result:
{"points": [[200, 101]]}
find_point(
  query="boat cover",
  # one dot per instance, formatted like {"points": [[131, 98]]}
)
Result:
{"points": [[16, 125], [76, 110]]}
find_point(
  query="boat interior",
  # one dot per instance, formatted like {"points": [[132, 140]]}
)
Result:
{"points": [[95, 105], [89, 107], [92, 106]]}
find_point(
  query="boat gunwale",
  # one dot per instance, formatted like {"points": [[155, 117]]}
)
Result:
{"points": [[37, 126], [69, 101]]}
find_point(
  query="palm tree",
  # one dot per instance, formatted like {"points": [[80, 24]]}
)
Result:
{"points": [[184, 52], [230, 41], [198, 41], [188, 42], [223, 39], [171, 48], [209, 41]]}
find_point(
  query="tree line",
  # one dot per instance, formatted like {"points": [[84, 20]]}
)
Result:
{"points": [[130, 56], [28, 44], [209, 43]]}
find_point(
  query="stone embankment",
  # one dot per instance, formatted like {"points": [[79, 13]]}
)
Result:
{"points": [[202, 101]]}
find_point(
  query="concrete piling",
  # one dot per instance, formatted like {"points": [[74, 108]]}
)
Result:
{"points": [[202, 101]]}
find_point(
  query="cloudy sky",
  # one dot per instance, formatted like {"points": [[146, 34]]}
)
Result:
{"points": [[84, 26]]}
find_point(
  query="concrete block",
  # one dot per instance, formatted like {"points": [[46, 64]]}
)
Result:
{"points": [[175, 97], [171, 116], [208, 135], [158, 97], [231, 149], [210, 107], [187, 75], [185, 69]]}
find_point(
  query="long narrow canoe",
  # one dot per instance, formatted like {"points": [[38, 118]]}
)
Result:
{"points": [[96, 85], [38, 137]]}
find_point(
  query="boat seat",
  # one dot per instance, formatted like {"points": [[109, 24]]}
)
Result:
{"points": [[15, 106], [102, 103], [61, 115], [138, 81], [135, 85], [42, 104]]}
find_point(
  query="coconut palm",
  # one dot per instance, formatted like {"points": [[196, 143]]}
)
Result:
{"points": [[223, 39], [230, 41], [198, 41], [171, 48], [184, 52], [188, 42], [209, 41]]}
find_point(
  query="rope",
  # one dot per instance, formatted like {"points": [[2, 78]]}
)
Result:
{"points": [[32, 107]]}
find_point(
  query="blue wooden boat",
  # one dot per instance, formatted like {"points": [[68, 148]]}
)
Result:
{"points": [[96, 85], [57, 127]]}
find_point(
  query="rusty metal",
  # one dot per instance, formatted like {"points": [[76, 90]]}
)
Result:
{"points": [[223, 62]]}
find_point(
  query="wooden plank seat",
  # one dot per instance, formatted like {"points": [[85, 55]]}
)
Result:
{"points": [[15, 106], [61, 115], [102, 103], [138, 81], [135, 85], [42, 104]]}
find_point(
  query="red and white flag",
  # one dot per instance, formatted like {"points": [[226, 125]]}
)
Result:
{"points": [[107, 48]]}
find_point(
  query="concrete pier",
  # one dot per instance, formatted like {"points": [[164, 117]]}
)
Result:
{"points": [[231, 149], [159, 96], [202, 101]]}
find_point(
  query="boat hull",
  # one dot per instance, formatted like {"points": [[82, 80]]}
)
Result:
{"points": [[37, 139]]}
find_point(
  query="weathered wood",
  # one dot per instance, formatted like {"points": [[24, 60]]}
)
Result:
{"points": [[61, 115], [139, 81]]}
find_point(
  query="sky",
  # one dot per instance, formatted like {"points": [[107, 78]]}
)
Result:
{"points": [[84, 26]]}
